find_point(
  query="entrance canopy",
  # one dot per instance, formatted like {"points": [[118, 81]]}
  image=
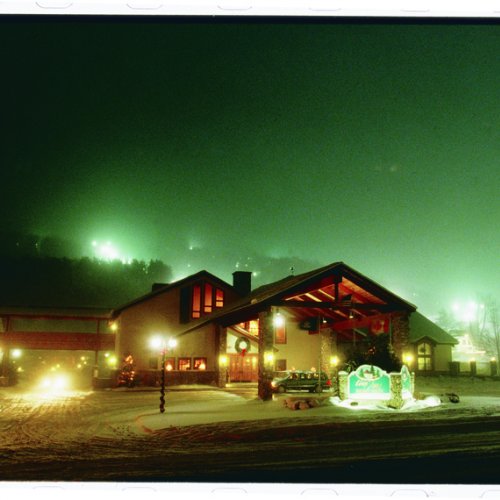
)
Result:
{"points": [[335, 296], [340, 296]]}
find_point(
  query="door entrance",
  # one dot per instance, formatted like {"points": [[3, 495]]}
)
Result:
{"points": [[243, 368]]}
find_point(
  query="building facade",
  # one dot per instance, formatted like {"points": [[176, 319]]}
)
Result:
{"points": [[320, 320]]}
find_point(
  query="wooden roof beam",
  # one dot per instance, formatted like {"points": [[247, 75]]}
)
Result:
{"points": [[333, 305]]}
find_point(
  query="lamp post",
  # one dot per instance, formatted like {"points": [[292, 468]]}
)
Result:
{"points": [[163, 344]]}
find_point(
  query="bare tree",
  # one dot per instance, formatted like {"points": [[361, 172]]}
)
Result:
{"points": [[494, 326]]}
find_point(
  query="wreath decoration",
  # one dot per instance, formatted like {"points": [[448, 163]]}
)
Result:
{"points": [[242, 345]]}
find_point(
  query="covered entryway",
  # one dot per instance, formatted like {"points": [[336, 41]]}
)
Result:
{"points": [[243, 368], [315, 320]]}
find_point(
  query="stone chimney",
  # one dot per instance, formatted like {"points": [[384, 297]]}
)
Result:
{"points": [[242, 282]]}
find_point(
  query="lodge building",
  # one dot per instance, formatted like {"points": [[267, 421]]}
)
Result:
{"points": [[231, 333]]}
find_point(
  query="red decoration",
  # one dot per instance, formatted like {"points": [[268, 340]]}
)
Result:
{"points": [[379, 326]]}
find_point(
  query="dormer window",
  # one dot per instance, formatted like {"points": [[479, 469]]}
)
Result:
{"points": [[202, 299], [196, 302]]}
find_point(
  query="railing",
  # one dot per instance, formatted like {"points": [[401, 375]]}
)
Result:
{"points": [[474, 368]]}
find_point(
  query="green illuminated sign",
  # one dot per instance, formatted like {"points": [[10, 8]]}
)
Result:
{"points": [[406, 382], [369, 382]]}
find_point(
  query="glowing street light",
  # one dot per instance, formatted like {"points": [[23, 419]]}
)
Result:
{"points": [[16, 353], [160, 343], [408, 358], [334, 361], [279, 320]]}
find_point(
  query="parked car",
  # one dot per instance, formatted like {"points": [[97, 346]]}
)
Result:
{"points": [[300, 381]]}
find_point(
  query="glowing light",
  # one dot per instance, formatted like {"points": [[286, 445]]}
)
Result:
{"points": [[334, 360], [408, 358], [16, 353], [113, 326], [108, 252], [156, 343], [55, 383], [278, 320], [269, 357], [467, 311], [223, 360], [112, 360], [160, 343]]}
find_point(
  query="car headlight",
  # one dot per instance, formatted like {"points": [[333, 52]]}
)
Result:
{"points": [[54, 383]]}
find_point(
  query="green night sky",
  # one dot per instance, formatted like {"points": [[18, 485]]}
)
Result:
{"points": [[372, 143]]}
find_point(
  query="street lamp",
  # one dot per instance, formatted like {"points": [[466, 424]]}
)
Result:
{"points": [[159, 342]]}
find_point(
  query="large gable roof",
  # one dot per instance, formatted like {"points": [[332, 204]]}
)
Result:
{"points": [[266, 295], [170, 286], [422, 327], [293, 284]]}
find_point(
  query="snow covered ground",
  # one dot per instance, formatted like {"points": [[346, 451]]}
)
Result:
{"points": [[477, 397], [121, 435]]}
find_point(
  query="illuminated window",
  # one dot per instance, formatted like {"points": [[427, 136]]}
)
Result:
{"points": [[424, 356], [169, 364], [207, 306], [253, 327], [219, 297], [199, 363], [196, 304], [203, 299], [184, 364]]}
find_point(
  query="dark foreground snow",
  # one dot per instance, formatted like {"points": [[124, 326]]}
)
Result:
{"points": [[213, 435]]}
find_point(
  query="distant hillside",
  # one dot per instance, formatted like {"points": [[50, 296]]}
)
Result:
{"points": [[50, 281]]}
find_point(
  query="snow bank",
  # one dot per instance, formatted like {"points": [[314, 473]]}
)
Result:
{"points": [[409, 405]]}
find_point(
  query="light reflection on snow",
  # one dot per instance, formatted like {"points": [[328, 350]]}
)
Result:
{"points": [[409, 404], [51, 396]]}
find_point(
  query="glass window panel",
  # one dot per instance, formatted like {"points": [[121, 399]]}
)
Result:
{"points": [[184, 364], [196, 306], [219, 298], [199, 363], [207, 307]]}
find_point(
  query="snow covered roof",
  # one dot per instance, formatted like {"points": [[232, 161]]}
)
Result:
{"points": [[422, 327]]}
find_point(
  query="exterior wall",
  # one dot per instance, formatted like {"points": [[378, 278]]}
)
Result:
{"points": [[442, 358], [159, 316], [138, 324], [301, 351]]}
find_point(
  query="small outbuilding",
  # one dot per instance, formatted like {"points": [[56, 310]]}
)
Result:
{"points": [[431, 346]]}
